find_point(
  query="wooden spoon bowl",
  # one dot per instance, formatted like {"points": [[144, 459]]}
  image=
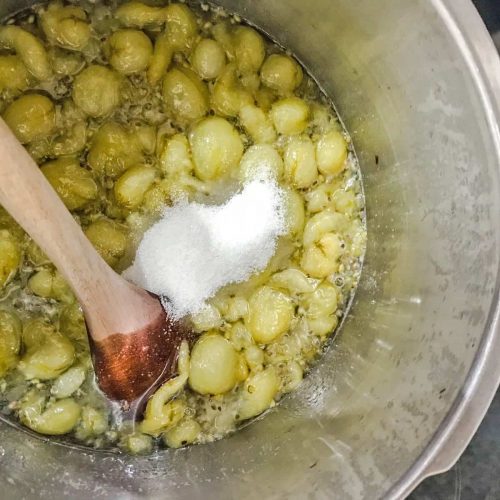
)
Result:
{"points": [[130, 366]]}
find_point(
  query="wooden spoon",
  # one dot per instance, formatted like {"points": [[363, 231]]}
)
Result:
{"points": [[133, 342]]}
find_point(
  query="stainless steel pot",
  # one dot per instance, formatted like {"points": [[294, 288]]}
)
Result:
{"points": [[408, 379]]}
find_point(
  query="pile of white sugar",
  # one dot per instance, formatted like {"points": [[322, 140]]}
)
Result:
{"points": [[195, 249]]}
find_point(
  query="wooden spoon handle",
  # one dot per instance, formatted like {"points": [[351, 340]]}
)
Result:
{"points": [[111, 304]]}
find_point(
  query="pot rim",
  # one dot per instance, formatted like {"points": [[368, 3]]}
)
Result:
{"points": [[470, 406]]}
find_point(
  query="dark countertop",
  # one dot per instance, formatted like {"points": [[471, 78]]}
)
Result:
{"points": [[476, 476]]}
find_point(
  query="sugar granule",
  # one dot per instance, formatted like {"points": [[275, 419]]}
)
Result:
{"points": [[195, 249]]}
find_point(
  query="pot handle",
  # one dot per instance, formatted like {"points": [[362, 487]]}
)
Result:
{"points": [[465, 416]]}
